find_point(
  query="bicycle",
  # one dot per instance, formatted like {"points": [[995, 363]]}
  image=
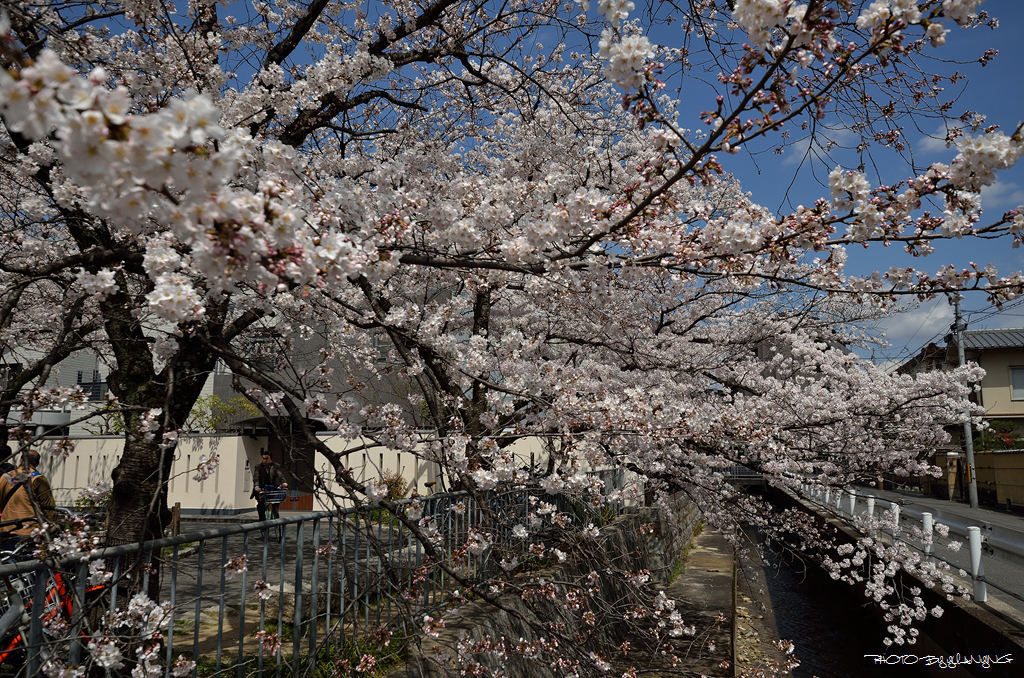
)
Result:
{"points": [[17, 598], [272, 496]]}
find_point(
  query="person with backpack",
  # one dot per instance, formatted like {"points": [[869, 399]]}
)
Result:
{"points": [[26, 496]]}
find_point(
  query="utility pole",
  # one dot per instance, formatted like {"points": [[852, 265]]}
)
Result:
{"points": [[958, 333]]}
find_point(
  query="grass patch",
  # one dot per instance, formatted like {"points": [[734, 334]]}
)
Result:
{"points": [[680, 564], [362, 659], [168, 551]]}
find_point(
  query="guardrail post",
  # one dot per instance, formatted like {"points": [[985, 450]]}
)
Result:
{"points": [[977, 570], [895, 510], [853, 504], [926, 523], [828, 496]]}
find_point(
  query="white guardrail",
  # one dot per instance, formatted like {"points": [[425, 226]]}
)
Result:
{"points": [[983, 540]]}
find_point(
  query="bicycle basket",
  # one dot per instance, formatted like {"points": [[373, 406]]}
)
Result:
{"points": [[273, 494], [57, 603]]}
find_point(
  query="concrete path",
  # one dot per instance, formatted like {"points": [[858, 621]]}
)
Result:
{"points": [[704, 596]]}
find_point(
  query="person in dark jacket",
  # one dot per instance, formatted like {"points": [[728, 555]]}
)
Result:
{"points": [[266, 476], [6, 453]]}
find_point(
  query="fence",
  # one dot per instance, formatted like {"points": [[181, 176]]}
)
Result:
{"points": [[321, 582], [992, 544]]}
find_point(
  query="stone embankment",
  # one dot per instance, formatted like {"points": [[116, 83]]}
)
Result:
{"points": [[647, 539]]}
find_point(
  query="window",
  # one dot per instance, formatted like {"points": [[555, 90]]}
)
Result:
{"points": [[8, 371], [1017, 383], [95, 389]]}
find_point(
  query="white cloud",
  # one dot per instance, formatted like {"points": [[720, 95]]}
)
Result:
{"points": [[909, 330], [930, 322], [1002, 195], [935, 142]]}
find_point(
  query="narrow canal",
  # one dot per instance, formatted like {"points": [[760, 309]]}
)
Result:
{"points": [[833, 629], [836, 633]]}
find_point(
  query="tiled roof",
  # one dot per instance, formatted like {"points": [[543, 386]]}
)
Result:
{"points": [[931, 357], [981, 339]]}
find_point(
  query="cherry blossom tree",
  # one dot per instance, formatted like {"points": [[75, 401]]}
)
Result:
{"points": [[498, 215]]}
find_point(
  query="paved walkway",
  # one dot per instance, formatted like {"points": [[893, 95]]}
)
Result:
{"points": [[944, 508], [704, 596]]}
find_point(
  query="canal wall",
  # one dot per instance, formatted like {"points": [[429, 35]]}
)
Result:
{"points": [[646, 538], [965, 627]]}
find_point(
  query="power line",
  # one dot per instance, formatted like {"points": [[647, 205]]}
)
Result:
{"points": [[972, 317]]}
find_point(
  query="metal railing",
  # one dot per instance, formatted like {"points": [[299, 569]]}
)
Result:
{"points": [[323, 581], [740, 471], [983, 541]]}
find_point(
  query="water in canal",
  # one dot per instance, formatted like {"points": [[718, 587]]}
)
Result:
{"points": [[832, 629]]}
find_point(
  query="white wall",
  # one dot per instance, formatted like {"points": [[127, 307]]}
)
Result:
{"points": [[228, 488], [93, 458]]}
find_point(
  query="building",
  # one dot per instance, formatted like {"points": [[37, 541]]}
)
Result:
{"points": [[999, 459]]}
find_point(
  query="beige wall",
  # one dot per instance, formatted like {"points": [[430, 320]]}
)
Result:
{"points": [[995, 386], [229, 486], [1003, 474], [374, 462], [93, 459]]}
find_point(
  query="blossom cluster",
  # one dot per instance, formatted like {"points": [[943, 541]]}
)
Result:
{"points": [[759, 17], [516, 247], [206, 467], [626, 56]]}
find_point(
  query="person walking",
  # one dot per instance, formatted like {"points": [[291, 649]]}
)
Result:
{"points": [[25, 496], [267, 480], [6, 453]]}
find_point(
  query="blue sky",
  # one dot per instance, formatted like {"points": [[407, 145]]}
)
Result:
{"points": [[997, 90]]}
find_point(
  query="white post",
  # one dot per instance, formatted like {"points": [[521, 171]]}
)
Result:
{"points": [[895, 519], [977, 571], [926, 520], [871, 515], [828, 496], [853, 505]]}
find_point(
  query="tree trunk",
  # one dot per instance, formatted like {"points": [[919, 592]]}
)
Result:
{"points": [[138, 509]]}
